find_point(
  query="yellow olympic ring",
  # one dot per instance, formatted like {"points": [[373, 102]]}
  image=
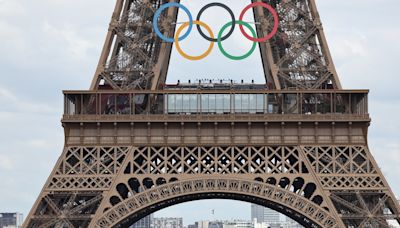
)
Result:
{"points": [[179, 49]]}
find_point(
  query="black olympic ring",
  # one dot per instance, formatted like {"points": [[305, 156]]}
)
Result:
{"points": [[227, 9]]}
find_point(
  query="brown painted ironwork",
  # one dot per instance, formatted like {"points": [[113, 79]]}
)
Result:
{"points": [[297, 145]]}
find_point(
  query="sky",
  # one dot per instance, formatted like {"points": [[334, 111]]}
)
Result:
{"points": [[52, 45]]}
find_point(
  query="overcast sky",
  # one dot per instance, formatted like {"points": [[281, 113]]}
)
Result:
{"points": [[51, 45]]}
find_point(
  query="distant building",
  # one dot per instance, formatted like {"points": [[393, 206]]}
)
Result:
{"points": [[216, 224], [290, 223], [168, 223], [260, 225], [243, 224], [146, 222], [238, 224], [222, 224], [267, 218], [201, 224], [11, 220], [207, 224], [264, 215]]}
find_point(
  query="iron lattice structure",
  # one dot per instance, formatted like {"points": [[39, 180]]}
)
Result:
{"points": [[134, 57], [132, 148]]}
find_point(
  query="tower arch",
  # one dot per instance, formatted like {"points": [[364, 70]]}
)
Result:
{"points": [[296, 206]]}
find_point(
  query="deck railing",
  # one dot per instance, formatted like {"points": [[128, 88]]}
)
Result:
{"points": [[216, 102]]}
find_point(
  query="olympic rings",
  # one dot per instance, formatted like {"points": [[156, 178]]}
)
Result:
{"points": [[179, 49], [231, 56], [274, 14], [227, 9], [220, 38], [158, 14]]}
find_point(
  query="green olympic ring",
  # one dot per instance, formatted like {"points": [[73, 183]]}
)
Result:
{"points": [[226, 54]]}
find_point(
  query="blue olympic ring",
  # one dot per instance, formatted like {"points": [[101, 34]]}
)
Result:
{"points": [[158, 14]]}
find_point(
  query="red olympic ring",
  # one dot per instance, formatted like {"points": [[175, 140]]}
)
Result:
{"points": [[274, 14]]}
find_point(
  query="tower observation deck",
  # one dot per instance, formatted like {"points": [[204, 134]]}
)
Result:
{"points": [[218, 101]]}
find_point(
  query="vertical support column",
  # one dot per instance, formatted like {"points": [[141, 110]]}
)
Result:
{"points": [[107, 44], [324, 43], [270, 68]]}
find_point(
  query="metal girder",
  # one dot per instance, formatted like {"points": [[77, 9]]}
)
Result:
{"points": [[134, 57]]}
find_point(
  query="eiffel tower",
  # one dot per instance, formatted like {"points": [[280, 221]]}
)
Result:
{"points": [[297, 145]]}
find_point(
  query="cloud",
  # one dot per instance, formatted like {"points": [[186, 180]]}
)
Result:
{"points": [[10, 103], [387, 155], [40, 143], [350, 46], [11, 8], [12, 44], [7, 95], [6, 163], [76, 46]]}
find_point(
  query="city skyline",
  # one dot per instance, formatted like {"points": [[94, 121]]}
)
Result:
{"points": [[11, 219], [37, 103]]}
